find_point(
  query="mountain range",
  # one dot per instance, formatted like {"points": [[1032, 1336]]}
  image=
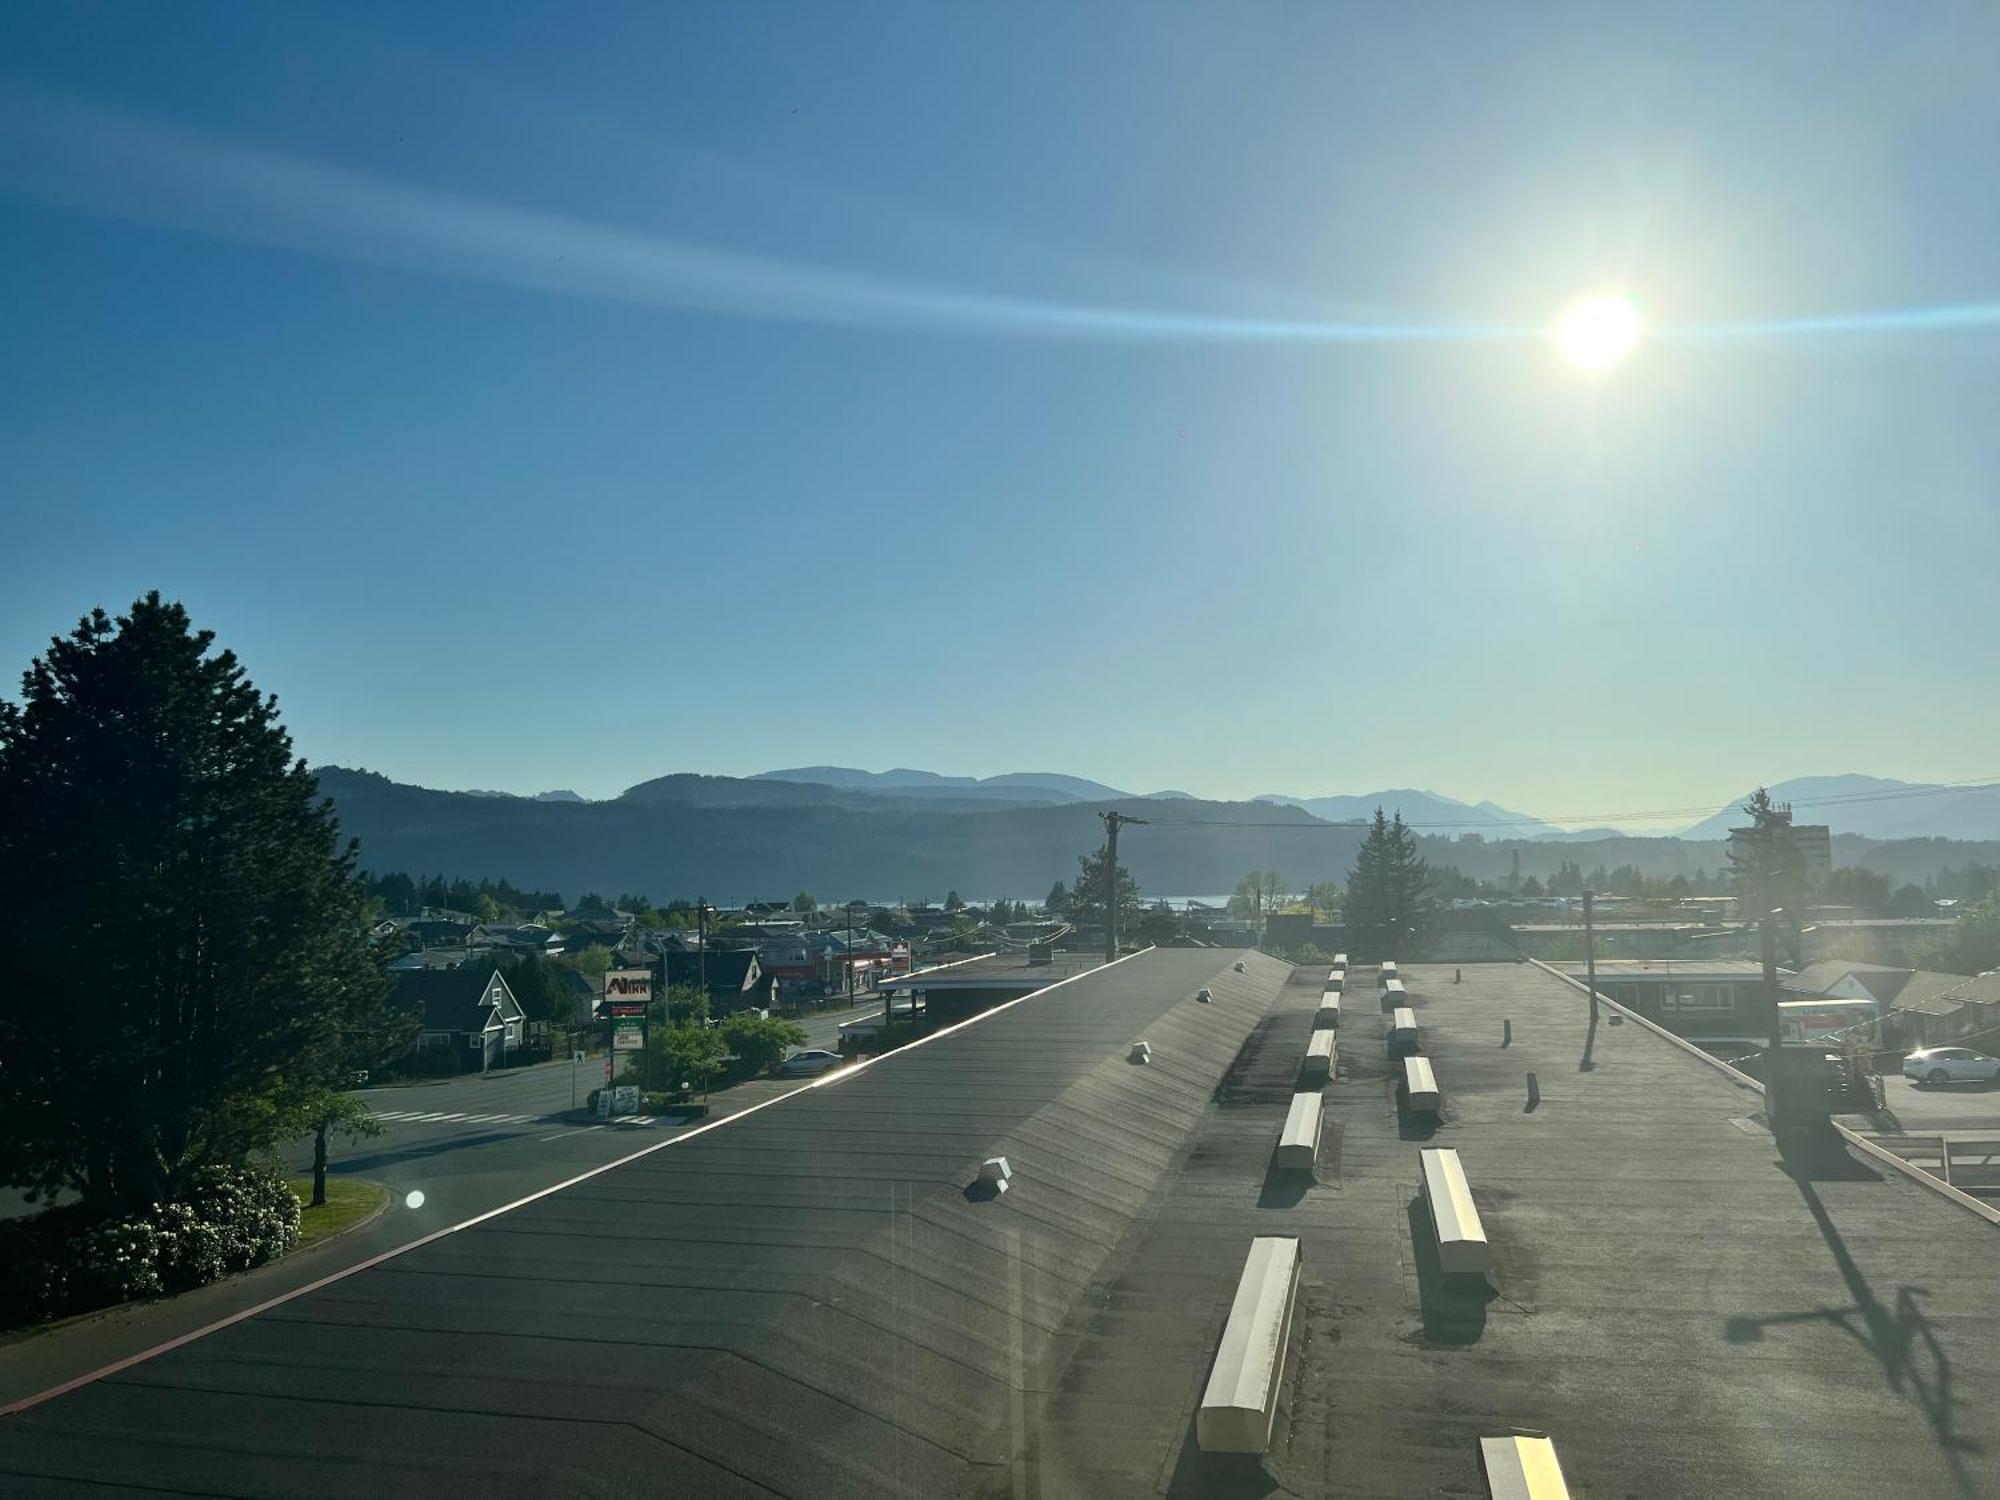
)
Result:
{"points": [[1875, 807], [741, 837]]}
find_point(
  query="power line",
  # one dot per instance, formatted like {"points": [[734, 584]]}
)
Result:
{"points": [[1897, 794]]}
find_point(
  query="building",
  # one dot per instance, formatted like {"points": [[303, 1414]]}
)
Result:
{"points": [[467, 1013], [814, 1298], [1920, 1007], [735, 977], [1706, 1000]]}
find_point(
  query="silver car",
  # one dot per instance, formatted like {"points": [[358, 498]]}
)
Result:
{"points": [[1937, 1065], [808, 1064]]}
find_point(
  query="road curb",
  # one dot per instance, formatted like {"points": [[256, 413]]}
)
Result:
{"points": [[388, 1201]]}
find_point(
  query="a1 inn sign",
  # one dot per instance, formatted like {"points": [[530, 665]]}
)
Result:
{"points": [[626, 991]]}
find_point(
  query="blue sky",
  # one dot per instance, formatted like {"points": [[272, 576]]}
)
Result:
{"points": [[555, 397]]}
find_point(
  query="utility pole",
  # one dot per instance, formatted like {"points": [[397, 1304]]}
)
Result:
{"points": [[1590, 952], [701, 942], [1112, 822], [1771, 983], [848, 956]]}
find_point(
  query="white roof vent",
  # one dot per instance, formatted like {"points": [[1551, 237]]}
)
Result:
{"points": [[994, 1172], [1237, 966], [1140, 1053]]}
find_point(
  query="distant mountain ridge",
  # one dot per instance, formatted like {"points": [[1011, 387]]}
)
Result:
{"points": [[1011, 786], [740, 838], [1429, 810], [1875, 807]]}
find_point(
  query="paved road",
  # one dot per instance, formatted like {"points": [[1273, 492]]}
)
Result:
{"points": [[1954, 1107], [466, 1145]]}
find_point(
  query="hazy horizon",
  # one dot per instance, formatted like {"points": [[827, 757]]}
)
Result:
{"points": [[1158, 394]]}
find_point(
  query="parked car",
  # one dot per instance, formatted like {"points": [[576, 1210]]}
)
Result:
{"points": [[808, 1064], [1935, 1065]]}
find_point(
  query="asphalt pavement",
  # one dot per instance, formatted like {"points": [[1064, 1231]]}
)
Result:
{"points": [[1950, 1107]]}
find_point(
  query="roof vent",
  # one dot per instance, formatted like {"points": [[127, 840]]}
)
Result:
{"points": [[994, 1172], [1204, 997], [1140, 1053], [1237, 966]]}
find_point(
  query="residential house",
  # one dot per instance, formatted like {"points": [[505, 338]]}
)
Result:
{"points": [[1929, 1009], [736, 978], [467, 1011]]}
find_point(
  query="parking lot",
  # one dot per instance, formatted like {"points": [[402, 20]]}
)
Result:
{"points": [[1951, 1107]]}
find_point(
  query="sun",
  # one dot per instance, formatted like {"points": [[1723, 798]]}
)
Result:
{"points": [[1598, 332]]}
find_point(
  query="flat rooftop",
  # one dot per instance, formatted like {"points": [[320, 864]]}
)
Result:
{"points": [[1689, 968], [1684, 1313], [1005, 971], [810, 1301], [806, 1299]]}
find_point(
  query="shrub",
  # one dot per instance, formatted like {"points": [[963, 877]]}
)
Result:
{"points": [[61, 1261]]}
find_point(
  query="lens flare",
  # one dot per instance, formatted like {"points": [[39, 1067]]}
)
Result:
{"points": [[1597, 333]]}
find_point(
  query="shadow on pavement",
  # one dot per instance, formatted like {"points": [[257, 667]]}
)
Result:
{"points": [[1821, 1156], [1230, 1476], [1898, 1335], [418, 1153], [1413, 1127], [1453, 1307], [1284, 1189]]}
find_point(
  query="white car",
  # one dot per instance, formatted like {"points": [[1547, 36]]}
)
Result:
{"points": [[808, 1064], [1951, 1065]]}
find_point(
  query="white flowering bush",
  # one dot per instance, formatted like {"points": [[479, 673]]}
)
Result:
{"points": [[230, 1219]]}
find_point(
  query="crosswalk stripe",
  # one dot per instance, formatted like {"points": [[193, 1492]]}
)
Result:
{"points": [[395, 1114]]}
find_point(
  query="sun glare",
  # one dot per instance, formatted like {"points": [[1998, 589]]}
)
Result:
{"points": [[1596, 333]]}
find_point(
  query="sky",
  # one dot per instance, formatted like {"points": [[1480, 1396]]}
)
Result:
{"points": [[559, 396]]}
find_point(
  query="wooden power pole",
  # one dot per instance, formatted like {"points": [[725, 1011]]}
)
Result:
{"points": [[1113, 821]]}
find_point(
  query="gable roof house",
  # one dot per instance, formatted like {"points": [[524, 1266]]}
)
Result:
{"points": [[468, 1011], [736, 978]]}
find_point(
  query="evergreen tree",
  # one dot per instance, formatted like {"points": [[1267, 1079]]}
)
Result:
{"points": [[1056, 903], [1766, 869], [185, 955], [1086, 900], [1391, 904]]}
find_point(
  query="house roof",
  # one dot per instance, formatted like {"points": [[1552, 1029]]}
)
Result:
{"points": [[1883, 981], [1933, 993], [449, 999], [1980, 989], [727, 968]]}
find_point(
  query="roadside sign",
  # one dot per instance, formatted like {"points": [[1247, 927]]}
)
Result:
{"points": [[625, 1099], [628, 1036], [604, 1102]]}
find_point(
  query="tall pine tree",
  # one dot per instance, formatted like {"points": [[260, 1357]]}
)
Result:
{"points": [[1391, 903], [182, 948]]}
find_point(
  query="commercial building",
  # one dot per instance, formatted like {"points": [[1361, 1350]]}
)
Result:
{"points": [[823, 1297], [1708, 1000]]}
